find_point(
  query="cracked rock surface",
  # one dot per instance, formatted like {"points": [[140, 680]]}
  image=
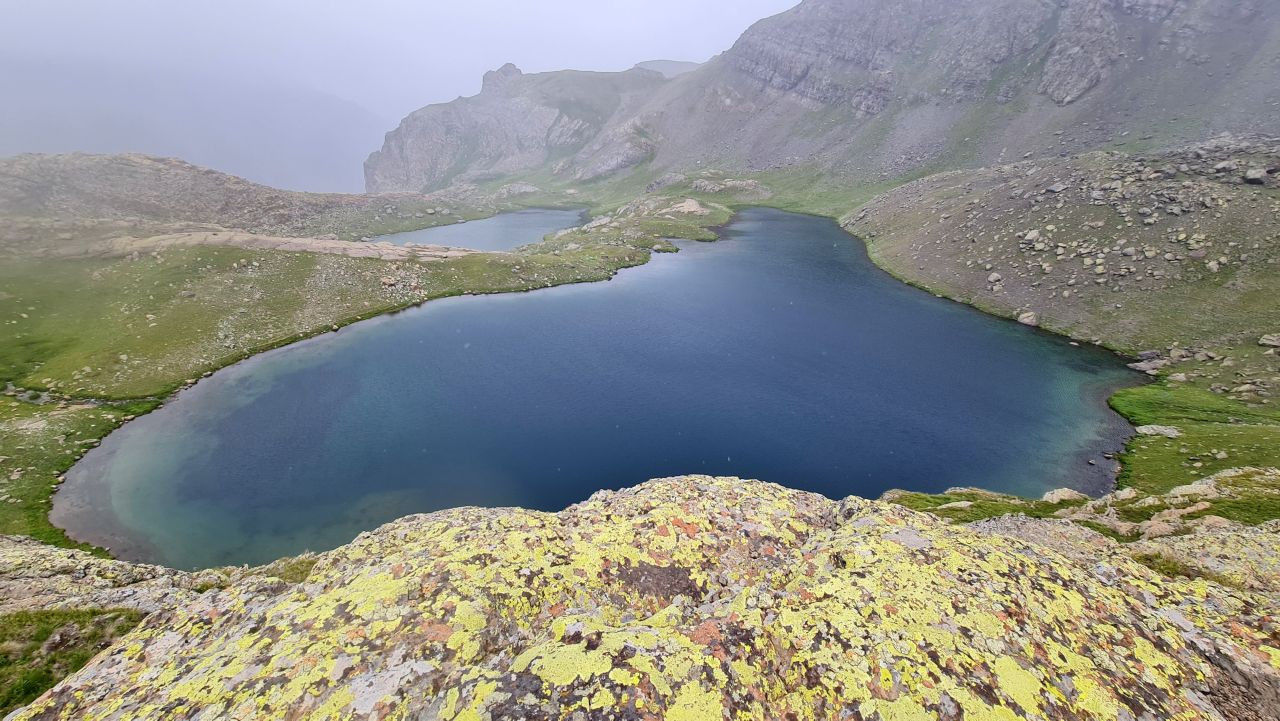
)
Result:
{"points": [[700, 598]]}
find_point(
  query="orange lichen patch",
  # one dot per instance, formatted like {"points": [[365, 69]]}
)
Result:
{"points": [[690, 529], [438, 632], [707, 633]]}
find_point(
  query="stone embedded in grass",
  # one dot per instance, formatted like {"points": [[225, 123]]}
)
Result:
{"points": [[1166, 431]]}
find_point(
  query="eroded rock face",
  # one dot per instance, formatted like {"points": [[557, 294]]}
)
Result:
{"points": [[861, 53], [851, 52], [697, 598], [869, 89], [517, 123]]}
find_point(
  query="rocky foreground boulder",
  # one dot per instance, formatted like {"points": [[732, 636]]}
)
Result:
{"points": [[701, 598]]}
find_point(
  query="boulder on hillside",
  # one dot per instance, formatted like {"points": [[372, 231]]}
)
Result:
{"points": [[1063, 495], [1166, 431]]}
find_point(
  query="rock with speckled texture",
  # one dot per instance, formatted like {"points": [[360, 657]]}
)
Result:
{"points": [[691, 599], [36, 576]]}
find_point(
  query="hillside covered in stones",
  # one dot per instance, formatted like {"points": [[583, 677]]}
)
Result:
{"points": [[865, 91], [1102, 245], [1171, 257], [702, 598]]}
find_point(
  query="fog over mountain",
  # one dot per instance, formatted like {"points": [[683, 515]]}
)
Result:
{"points": [[868, 90], [289, 136], [296, 94]]}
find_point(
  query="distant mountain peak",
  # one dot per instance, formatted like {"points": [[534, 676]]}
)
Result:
{"points": [[496, 79], [669, 68]]}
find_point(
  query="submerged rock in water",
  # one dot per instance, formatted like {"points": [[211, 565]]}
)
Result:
{"points": [[700, 598]]}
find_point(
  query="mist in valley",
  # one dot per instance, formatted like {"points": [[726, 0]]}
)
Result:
{"points": [[296, 94]]}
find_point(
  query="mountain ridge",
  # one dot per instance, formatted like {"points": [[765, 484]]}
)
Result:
{"points": [[871, 91]]}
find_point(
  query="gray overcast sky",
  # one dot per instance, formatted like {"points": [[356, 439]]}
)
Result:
{"points": [[391, 56]]}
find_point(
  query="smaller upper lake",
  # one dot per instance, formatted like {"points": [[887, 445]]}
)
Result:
{"points": [[501, 232]]}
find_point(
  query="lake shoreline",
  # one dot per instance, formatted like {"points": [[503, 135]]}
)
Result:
{"points": [[1117, 441]]}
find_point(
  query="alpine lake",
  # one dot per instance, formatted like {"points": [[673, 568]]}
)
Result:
{"points": [[779, 352]]}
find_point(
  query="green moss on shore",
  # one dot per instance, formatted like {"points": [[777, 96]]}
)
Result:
{"points": [[38, 443], [1215, 434]]}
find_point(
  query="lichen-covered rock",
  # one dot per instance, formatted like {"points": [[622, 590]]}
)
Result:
{"points": [[1080, 544], [695, 599], [38, 577], [35, 576], [1244, 556]]}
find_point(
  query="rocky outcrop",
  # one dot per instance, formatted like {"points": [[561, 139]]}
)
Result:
{"points": [[1085, 48], [36, 576], [852, 53], [517, 123], [700, 598], [668, 68], [1170, 521], [870, 89]]}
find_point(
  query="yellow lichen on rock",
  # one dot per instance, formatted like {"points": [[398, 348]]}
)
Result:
{"points": [[693, 599]]}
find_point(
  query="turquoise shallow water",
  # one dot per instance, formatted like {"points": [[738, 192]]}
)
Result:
{"points": [[778, 353]]}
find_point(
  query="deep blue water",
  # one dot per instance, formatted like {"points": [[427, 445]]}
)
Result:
{"points": [[501, 232], [778, 353]]}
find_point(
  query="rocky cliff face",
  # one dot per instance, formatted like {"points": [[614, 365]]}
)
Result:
{"points": [[862, 51], [516, 124], [876, 89], [702, 598], [853, 53]]}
